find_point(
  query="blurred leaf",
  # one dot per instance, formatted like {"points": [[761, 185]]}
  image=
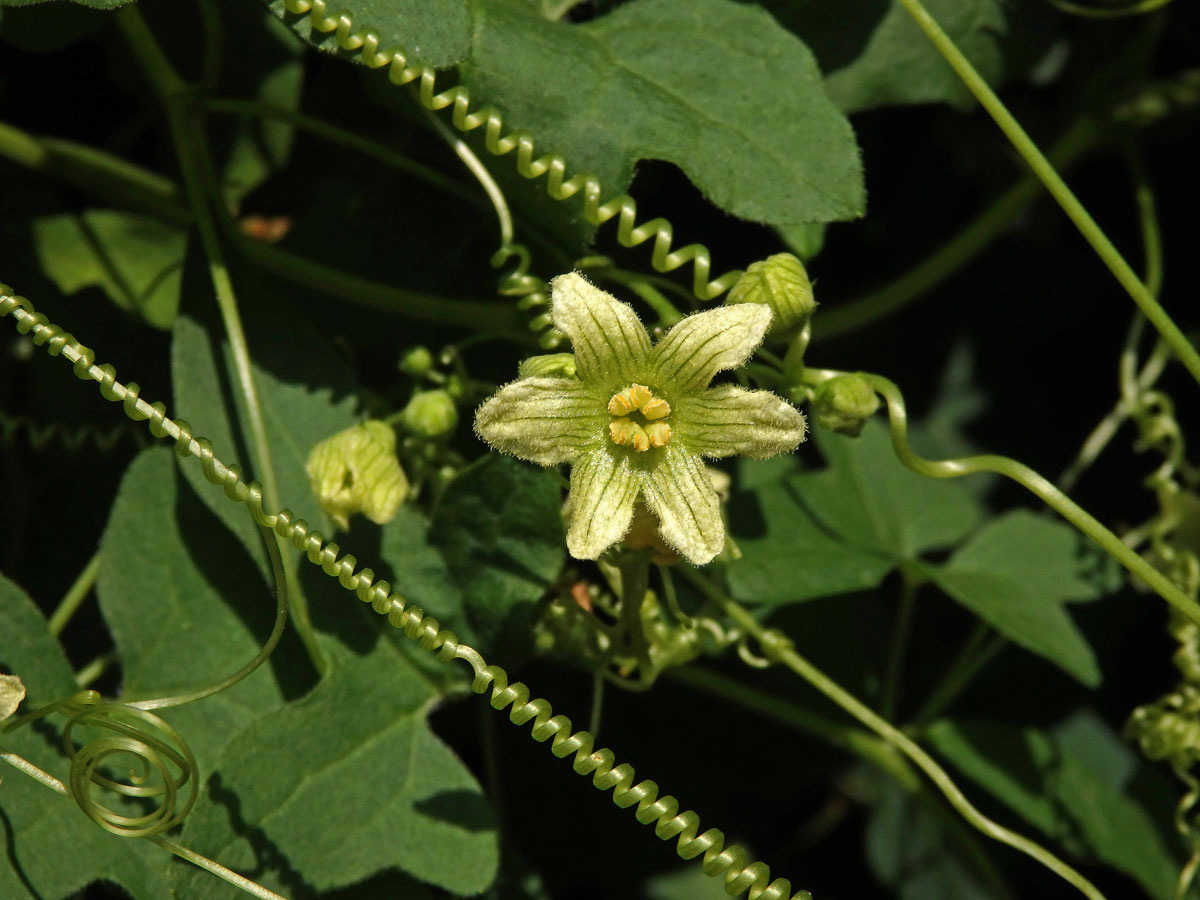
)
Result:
{"points": [[910, 848], [874, 54], [304, 387], [685, 883], [51, 850], [418, 570], [787, 556], [136, 260], [499, 528], [342, 784], [1017, 573], [266, 69], [48, 27], [1015, 764], [185, 604], [1012, 763], [435, 32], [844, 527], [867, 497], [713, 86]]}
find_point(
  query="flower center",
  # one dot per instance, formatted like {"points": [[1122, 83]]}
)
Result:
{"points": [[639, 418]]}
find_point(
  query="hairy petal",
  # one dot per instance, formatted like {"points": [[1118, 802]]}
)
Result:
{"points": [[728, 420], [600, 503], [706, 343], [609, 340], [679, 491], [544, 420]]}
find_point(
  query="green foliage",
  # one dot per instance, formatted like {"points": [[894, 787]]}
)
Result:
{"points": [[38, 824], [873, 54], [861, 516], [304, 388], [1016, 574], [280, 247], [172, 577], [365, 787], [646, 69], [1058, 782], [435, 32], [134, 259], [499, 529]]}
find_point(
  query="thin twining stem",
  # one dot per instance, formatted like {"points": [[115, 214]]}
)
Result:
{"points": [[1053, 182]]}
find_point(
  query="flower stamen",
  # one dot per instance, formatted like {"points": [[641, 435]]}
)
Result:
{"points": [[638, 414]]}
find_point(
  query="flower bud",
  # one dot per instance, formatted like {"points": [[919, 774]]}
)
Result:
{"points": [[781, 283], [356, 471], [431, 414], [844, 403], [416, 361], [549, 365]]}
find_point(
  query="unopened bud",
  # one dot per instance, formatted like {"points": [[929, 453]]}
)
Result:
{"points": [[431, 414], [356, 471], [844, 403], [780, 282], [548, 365], [416, 361]]}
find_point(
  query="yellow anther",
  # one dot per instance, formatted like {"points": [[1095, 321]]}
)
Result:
{"points": [[656, 408], [620, 404], [643, 430], [617, 430], [658, 433]]}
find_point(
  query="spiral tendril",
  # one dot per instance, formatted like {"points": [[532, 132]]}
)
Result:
{"points": [[71, 437], [553, 166], [663, 812], [162, 763]]}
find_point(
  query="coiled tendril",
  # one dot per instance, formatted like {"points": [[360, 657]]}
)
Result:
{"points": [[732, 862], [162, 763], [551, 165], [70, 437]]}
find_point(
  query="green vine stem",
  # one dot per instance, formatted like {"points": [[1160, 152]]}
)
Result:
{"points": [[110, 177], [74, 597], [103, 174], [779, 649], [968, 242], [234, 106], [1036, 484], [1134, 384], [1054, 183], [741, 874], [201, 192]]}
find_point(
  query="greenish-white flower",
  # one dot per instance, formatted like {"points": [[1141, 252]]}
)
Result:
{"points": [[636, 420], [356, 471]]}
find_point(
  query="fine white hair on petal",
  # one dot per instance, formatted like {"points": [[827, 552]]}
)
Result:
{"points": [[709, 342], [600, 503], [679, 491], [729, 420], [543, 420], [606, 335]]}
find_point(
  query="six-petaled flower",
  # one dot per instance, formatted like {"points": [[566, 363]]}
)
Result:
{"points": [[637, 418]]}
